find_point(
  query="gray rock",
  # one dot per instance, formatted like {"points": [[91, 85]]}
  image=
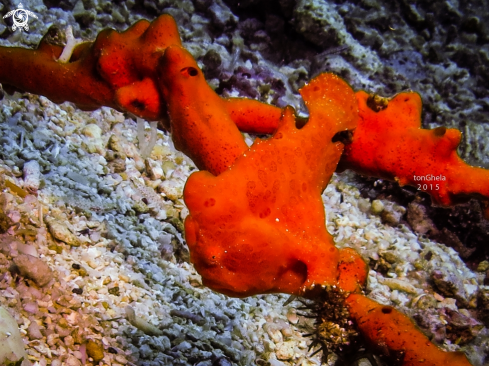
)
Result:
{"points": [[392, 213], [32, 176], [449, 285], [419, 220], [319, 23], [61, 232], [221, 15]]}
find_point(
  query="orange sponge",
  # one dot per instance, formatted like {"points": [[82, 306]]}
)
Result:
{"points": [[352, 271], [395, 338], [118, 70], [128, 62], [253, 116], [200, 125], [391, 144], [39, 72]]}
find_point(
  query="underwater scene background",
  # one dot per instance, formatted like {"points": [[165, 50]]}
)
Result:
{"points": [[94, 266]]}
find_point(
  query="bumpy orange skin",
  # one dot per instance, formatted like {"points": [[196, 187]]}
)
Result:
{"points": [[200, 126], [352, 271], [259, 227], [253, 116], [391, 144], [394, 336]]}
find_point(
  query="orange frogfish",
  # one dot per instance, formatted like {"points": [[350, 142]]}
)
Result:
{"points": [[259, 226]]}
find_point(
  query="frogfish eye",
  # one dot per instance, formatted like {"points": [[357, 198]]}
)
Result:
{"points": [[189, 71]]}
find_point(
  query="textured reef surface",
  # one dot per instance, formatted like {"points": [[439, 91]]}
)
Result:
{"points": [[102, 216]]}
